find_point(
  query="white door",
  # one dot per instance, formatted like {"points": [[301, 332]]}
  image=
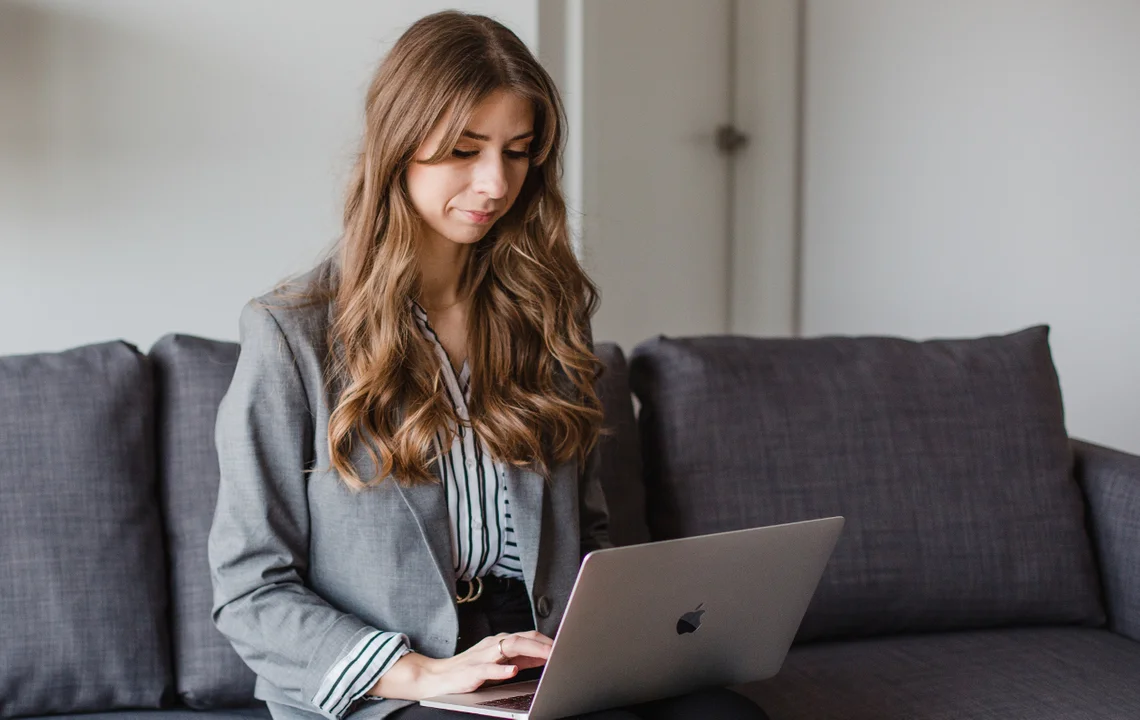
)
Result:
{"points": [[654, 188], [671, 224]]}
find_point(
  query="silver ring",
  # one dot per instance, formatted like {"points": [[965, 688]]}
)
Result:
{"points": [[502, 655]]}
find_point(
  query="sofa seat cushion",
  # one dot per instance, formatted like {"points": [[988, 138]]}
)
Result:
{"points": [[192, 375], [83, 600], [1009, 674], [949, 459]]}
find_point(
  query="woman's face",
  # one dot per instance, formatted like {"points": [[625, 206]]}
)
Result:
{"points": [[462, 197]]}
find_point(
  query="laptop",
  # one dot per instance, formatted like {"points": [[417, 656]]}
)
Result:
{"points": [[665, 618]]}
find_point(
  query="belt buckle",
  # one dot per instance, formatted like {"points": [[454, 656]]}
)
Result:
{"points": [[472, 594]]}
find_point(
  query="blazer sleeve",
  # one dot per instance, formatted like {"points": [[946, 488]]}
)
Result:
{"points": [[258, 543], [593, 514]]}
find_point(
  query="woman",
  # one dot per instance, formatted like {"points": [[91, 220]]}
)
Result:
{"points": [[405, 491]]}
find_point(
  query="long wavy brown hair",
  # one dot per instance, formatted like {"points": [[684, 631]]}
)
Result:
{"points": [[529, 347]]}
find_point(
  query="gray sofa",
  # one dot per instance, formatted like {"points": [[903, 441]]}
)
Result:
{"points": [[990, 566]]}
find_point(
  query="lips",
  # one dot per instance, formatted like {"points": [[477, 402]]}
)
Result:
{"points": [[479, 217]]}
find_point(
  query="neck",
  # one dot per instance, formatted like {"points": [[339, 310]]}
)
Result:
{"points": [[442, 263]]}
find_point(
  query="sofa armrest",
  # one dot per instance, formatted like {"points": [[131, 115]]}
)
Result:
{"points": [[1111, 482]]}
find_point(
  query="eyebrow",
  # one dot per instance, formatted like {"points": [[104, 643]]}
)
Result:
{"points": [[484, 138]]}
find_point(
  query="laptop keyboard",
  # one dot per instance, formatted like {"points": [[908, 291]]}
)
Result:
{"points": [[514, 702]]}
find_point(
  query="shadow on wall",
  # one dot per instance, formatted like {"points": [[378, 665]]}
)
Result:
{"points": [[23, 81], [80, 82]]}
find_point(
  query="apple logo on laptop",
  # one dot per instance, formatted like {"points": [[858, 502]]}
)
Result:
{"points": [[690, 621]]}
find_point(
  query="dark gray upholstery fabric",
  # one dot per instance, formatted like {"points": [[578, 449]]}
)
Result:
{"points": [[1019, 674], [254, 713], [192, 376], [948, 458], [619, 457], [1111, 481], [83, 598]]}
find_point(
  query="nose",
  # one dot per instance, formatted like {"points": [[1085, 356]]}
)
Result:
{"points": [[490, 176]]}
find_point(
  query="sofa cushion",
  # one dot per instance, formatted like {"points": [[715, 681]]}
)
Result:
{"points": [[83, 598], [1018, 674], [949, 459], [261, 712], [1111, 483], [619, 458], [192, 376]]}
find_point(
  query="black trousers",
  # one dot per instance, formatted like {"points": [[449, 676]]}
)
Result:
{"points": [[505, 607]]}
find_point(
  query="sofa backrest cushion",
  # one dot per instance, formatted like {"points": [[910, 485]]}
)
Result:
{"points": [[949, 459], [619, 458], [83, 598], [192, 376]]}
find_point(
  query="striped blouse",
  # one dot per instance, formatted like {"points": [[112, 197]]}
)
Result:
{"points": [[482, 536]]}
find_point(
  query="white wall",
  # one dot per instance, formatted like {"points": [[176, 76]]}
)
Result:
{"points": [[974, 167], [162, 162]]}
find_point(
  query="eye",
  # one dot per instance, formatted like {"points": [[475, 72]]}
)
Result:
{"points": [[464, 153], [518, 154]]}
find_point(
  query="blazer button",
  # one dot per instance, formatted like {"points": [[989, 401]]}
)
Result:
{"points": [[543, 606]]}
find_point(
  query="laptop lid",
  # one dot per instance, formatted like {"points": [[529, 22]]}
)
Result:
{"points": [[663, 618]]}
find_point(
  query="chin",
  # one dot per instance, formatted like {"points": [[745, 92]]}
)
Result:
{"points": [[465, 238], [467, 235]]}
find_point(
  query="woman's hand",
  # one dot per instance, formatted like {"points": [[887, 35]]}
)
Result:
{"points": [[415, 676]]}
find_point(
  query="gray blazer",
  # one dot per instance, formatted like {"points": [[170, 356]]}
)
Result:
{"points": [[303, 568]]}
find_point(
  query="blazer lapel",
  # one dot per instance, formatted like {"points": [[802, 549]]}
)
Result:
{"points": [[428, 504], [526, 489]]}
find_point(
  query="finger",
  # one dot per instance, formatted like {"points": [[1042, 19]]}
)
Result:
{"points": [[526, 663], [537, 636], [518, 646], [491, 641], [494, 671], [494, 639]]}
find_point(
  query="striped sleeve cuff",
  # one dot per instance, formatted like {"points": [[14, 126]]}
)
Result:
{"points": [[355, 674]]}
